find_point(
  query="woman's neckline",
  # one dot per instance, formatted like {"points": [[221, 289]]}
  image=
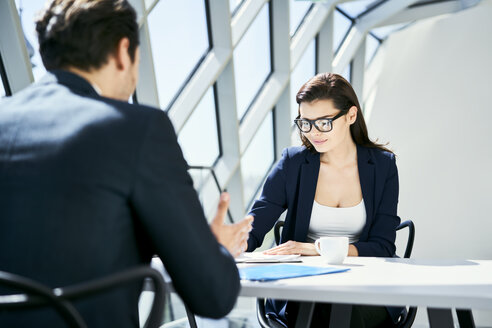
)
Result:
{"points": [[361, 201]]}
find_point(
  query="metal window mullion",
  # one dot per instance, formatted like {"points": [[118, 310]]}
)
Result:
{"points": [[307, 31], [209, 70], [282, 122], [430, 10], [228, 168], [13, 48], [358, 31], [265, 101], [357, 71], [147, 85], [244, 17], [197, 86], [324, 47], [281, 58]]}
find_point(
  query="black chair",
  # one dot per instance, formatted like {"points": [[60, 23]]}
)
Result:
{"points": [[34, 294], [405, 321]]}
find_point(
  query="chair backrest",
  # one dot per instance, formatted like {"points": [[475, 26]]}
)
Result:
{"points": [[36, 294], [411, 236]]}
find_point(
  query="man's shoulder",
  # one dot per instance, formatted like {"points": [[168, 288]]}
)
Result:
{"points": [[133, 110]]}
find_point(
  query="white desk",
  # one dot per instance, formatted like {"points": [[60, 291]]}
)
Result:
{"points": [[435, 284]]}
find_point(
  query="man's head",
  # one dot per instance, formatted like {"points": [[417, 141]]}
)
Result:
{"points": [[92, 36]]}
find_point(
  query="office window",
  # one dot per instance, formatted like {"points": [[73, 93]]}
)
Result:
{"points": [[179, 40], [252, 63], [234, 5], [356, 8], [297, 12], [305, 69], [2, 91], [372, 45], [199, 138], [341, 26], [384, 31], [257, 159], [149, 3], [28, 10]]}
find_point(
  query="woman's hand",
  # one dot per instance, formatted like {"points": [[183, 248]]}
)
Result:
{"points": [[292, 247]]}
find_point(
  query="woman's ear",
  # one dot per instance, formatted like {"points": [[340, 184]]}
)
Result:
{"points": [[352, 115]]}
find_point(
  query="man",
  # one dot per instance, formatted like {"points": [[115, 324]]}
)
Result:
{"points": [[91, 185]]}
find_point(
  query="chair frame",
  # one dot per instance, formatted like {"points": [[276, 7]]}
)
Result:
{"points": [[34, 294]]}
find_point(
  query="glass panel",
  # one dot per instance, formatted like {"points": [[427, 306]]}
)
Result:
{"points": [[347, 72], [149, 3], [234, 4], [384, 31], [341, 26], [355, 8], [28, 10], [257, 159], [2, 90], [199, 138], [171, 22], [372, 45], [297, 11], [209, 198], [252, 61], [305, 69]]}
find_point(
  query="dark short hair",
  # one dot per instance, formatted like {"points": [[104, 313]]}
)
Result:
{"points": [[331, 86], [83, 33]]}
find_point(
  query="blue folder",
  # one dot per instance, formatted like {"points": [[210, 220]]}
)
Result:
{"points": [[283, 271]]}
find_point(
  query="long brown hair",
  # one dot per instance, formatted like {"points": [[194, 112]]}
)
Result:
{"points": [[331, 86]]}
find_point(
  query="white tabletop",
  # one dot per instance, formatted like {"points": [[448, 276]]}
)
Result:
{"points": [[387, 281]]}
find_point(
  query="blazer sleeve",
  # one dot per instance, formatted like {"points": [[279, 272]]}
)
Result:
{"points": [[382, 233], [168, 210], [271, 204]]}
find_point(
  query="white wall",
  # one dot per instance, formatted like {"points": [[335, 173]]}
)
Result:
{"points": [[433, 104]]}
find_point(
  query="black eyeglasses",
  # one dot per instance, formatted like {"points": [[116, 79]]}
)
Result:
{"points": [[321, 124]]}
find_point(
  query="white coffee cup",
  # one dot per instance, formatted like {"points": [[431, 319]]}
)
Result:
{"points": [[334, 250]]}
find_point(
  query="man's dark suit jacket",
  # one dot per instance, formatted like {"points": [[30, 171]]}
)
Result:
{"points": [[292, 184], [90, 186]]}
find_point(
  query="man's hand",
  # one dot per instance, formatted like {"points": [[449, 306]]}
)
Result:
{"points": [[234, 237], [292, 247]]}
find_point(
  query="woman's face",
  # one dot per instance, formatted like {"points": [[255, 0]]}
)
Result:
{"points": [[340, 133]]}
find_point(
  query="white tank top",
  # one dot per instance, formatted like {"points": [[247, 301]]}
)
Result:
{"points": [[329, 221]]}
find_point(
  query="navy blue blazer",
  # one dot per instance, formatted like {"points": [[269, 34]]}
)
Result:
{"points": [[90, 186], [292, 184]]}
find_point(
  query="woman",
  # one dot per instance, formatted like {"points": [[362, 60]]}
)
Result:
{"points": [[339, 183]]}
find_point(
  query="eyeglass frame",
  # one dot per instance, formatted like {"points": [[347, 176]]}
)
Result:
{"points": [[312, 122]]}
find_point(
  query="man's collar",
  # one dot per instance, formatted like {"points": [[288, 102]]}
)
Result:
{"points": [[74, 82]]}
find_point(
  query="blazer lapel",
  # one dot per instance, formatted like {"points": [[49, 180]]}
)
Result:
{"points": [[308, 180], [366, 177]]}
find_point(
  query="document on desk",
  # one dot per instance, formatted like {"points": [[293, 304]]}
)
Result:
{"points": [[258, 257], [284, 271]]}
